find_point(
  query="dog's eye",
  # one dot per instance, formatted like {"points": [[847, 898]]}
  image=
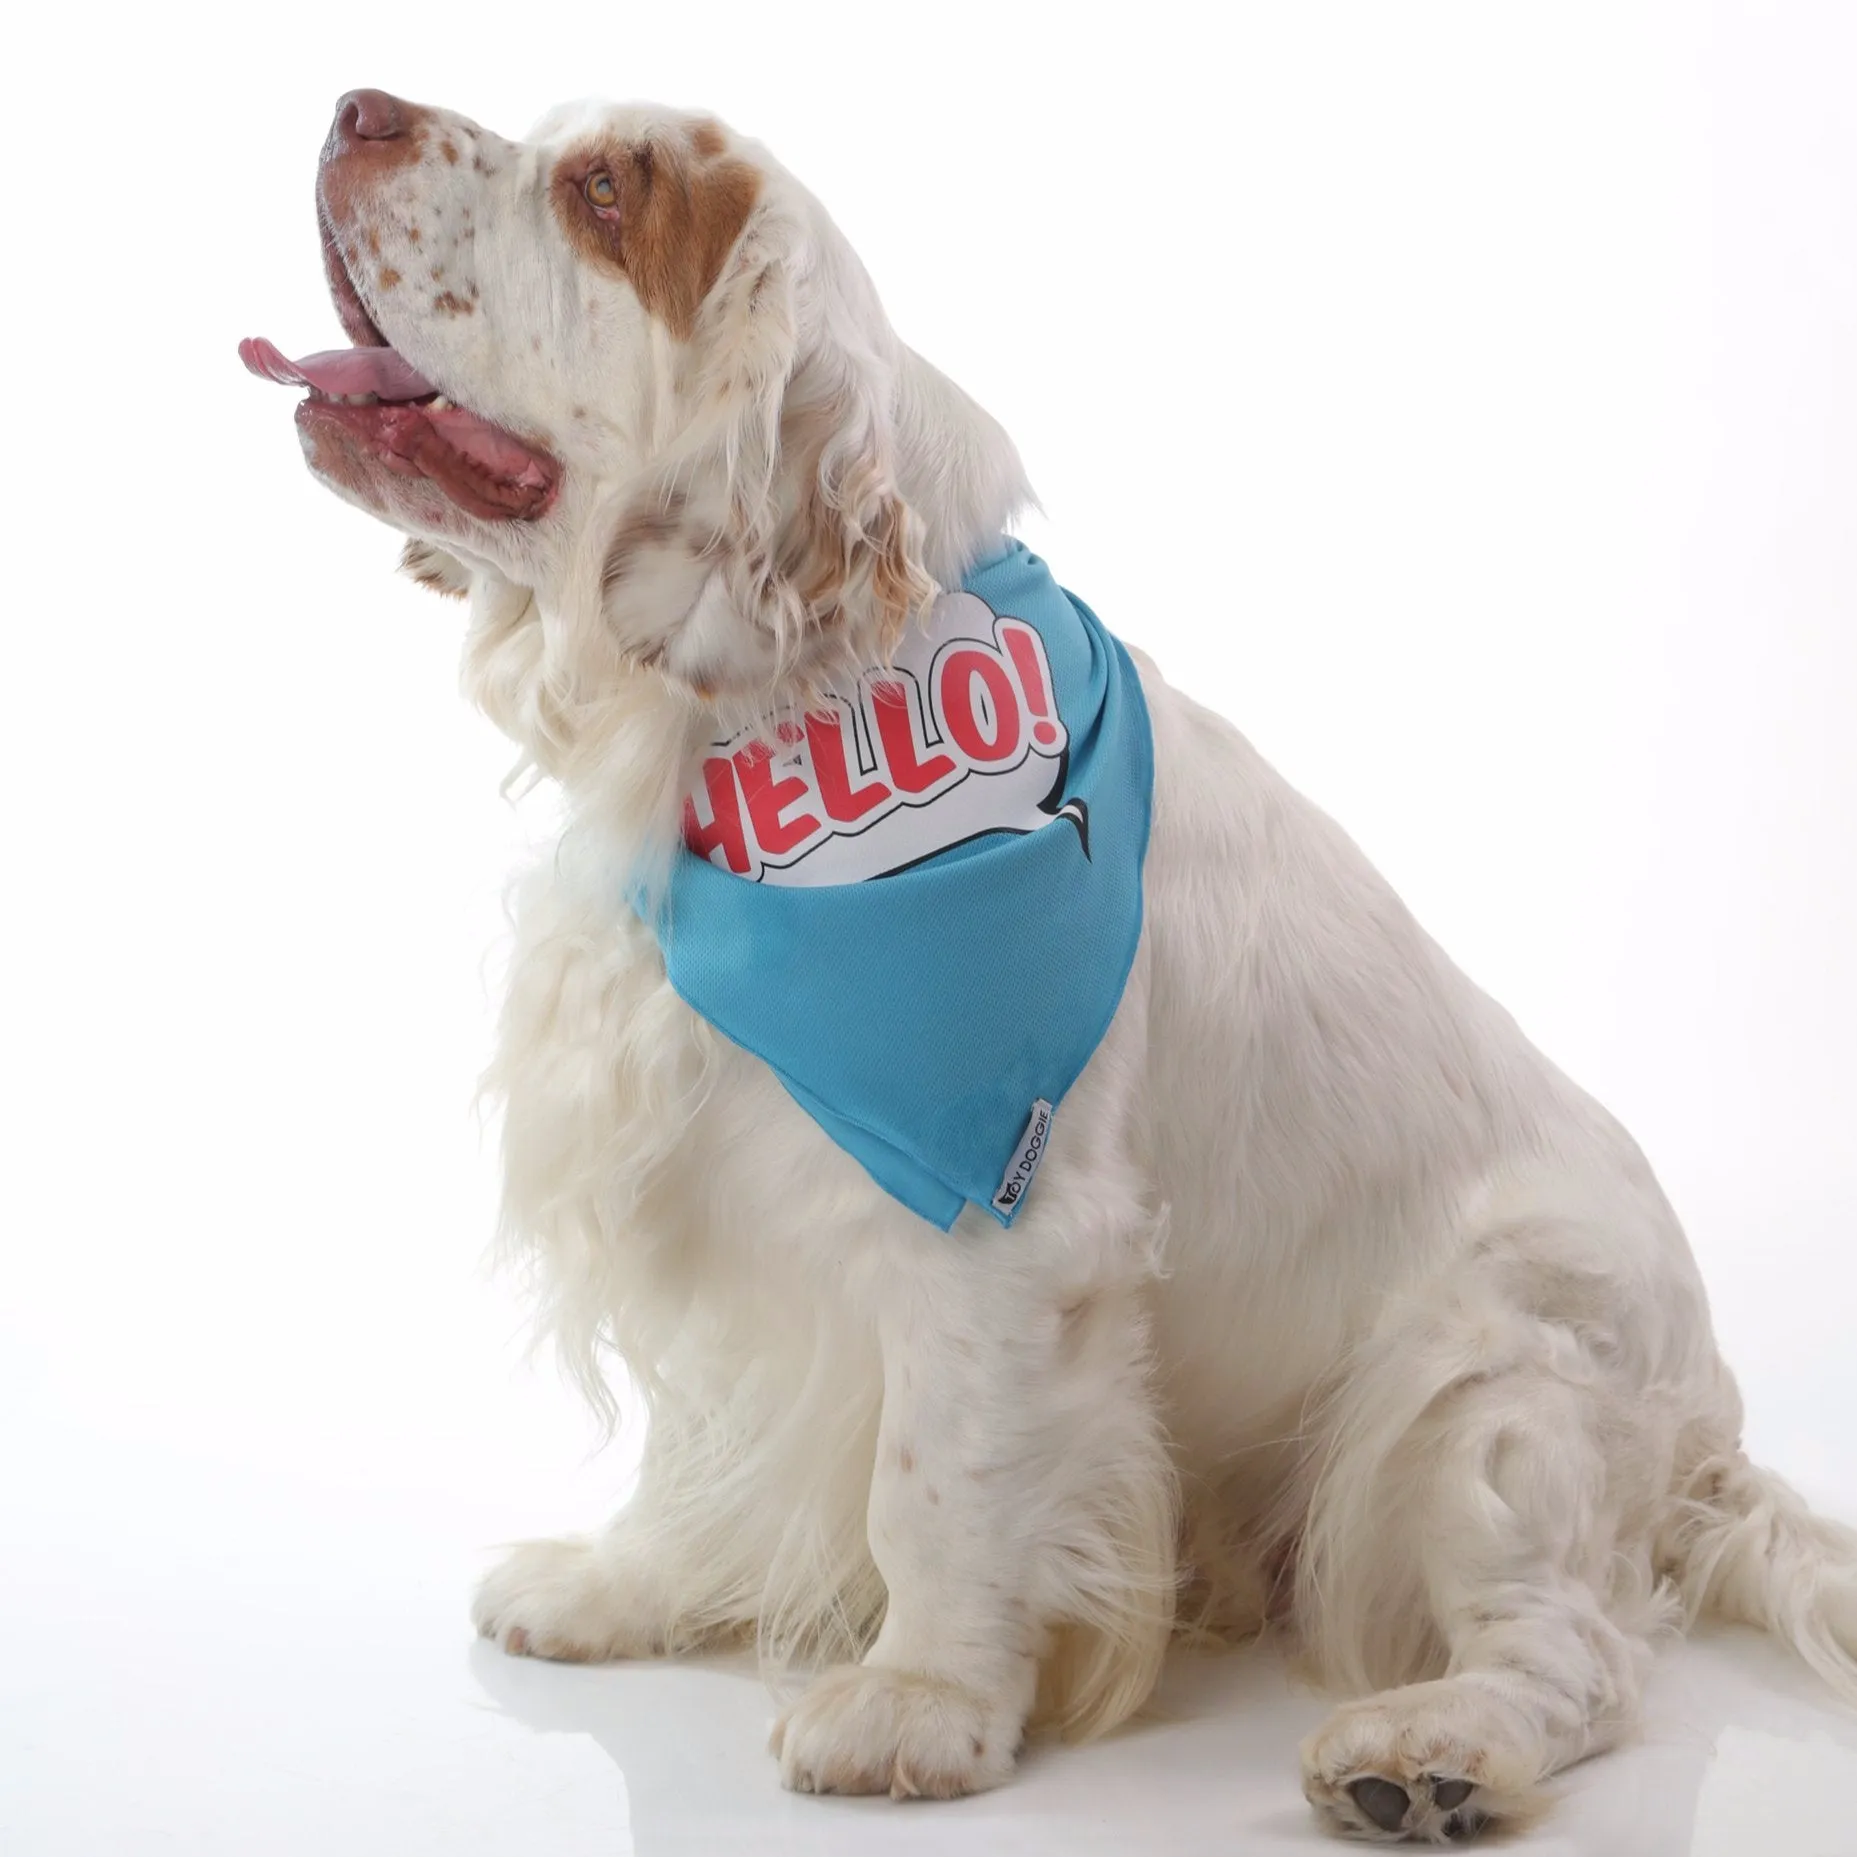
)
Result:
{"points": [[600, 190]]}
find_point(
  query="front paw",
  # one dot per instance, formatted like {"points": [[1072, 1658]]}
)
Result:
{"points": [[565, 1601], [861, 1729]]}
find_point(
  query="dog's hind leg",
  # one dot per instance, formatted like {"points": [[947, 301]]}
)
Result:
{"points": [[1479, 1538]]}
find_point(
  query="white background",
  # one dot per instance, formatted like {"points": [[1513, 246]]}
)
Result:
{"points": [[1462, 398]]}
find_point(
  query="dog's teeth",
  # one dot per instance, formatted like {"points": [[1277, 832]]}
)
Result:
{"points": [[439, 404], [361, 399]]}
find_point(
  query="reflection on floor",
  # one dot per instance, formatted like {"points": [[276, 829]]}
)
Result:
{"points": [[1742, 1755], [222, 1658]]}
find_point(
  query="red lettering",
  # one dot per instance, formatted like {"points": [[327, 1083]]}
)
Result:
{"points": [[844, 804], [890, 705], [958, 672], [1028, 656], [768, 798], [724, 831]]}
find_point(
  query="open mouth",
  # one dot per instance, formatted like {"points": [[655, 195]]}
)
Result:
{"points": [[374, 400]]}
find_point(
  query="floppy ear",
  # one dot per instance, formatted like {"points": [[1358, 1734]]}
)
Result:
{"points": [[780, 486], [848, 545]]}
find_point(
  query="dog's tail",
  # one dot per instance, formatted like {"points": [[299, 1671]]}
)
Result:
{"points": [[1741, 1544]]}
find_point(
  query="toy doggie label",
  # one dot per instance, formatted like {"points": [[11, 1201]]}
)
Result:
{"points": [[1025, 1158], [960, 738]]}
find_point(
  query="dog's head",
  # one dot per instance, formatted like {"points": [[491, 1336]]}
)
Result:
{"points": [[625, 383]]}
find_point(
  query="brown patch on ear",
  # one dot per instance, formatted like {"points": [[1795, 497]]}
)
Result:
{"points": [[682, 204], [435, 569], [650, 526], [851, 533], [899, 587]]}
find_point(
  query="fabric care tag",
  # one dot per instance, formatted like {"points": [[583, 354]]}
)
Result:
{"points": [[919, 902], [1025, 1159]]}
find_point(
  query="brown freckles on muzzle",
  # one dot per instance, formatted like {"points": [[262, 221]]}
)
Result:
{"points": [[392, 422], [373, 135]]}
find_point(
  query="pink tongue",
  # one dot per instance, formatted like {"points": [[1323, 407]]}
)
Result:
{"points": [[341, 370]]}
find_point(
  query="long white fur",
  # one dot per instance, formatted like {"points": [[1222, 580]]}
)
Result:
{"points": [[1334, 1299]]}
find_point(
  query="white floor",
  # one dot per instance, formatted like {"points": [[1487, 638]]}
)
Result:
{"points": [[208, 1655]]}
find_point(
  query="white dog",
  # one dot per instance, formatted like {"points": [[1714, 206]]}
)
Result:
{"points": [[1333, 1303]]}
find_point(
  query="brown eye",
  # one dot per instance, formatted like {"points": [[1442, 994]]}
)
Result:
{"points": [[600, 190]]}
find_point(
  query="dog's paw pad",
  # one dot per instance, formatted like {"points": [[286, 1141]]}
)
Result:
{"points": [[1434, 1808], [1384, 1801], [1433, 1764]]}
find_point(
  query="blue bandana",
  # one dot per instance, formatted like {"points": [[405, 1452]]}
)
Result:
{"points": [[920, 903]]}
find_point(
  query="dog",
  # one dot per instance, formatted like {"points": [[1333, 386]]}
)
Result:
{"points": [[1323, 1302]]}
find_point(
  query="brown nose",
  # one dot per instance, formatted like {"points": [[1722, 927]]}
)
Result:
{"points": [[367, 116]]}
